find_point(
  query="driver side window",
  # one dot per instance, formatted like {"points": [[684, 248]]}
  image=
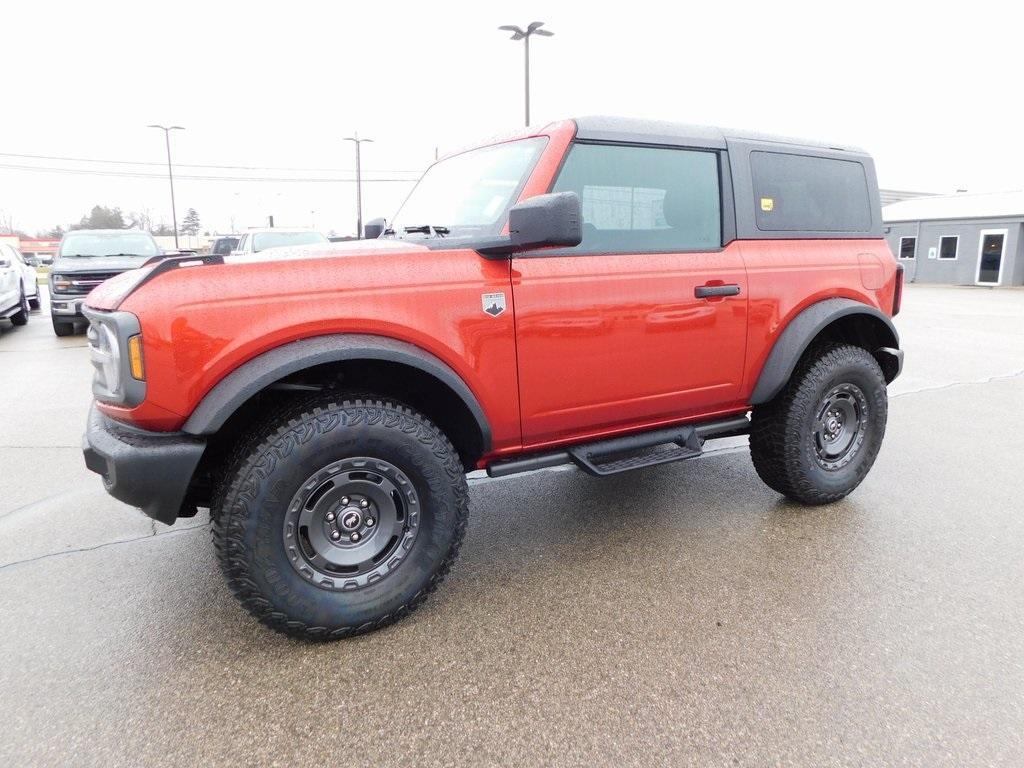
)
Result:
{"points": [[644, 199]]}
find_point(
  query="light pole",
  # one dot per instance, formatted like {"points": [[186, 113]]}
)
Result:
{"points": [[359, 183], [170, 173], [518, 34]]}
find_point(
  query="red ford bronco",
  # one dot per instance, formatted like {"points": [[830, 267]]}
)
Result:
{"points": [[605, 292]]}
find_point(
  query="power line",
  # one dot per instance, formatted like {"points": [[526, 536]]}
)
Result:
{"points": [[192, 177], [191, 165]]}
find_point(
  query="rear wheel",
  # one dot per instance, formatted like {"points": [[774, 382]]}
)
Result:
{"points": [[63, 327], [817, 440], [21, 316], [340, 517]]}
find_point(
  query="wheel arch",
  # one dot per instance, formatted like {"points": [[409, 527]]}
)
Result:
{"points": [[398, 366], [836, 319]]}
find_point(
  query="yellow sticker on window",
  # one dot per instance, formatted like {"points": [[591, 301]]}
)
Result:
{"points": [[767, 204]]}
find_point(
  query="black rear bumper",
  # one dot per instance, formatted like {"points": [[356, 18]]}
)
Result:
{"points": [[148, 470]]}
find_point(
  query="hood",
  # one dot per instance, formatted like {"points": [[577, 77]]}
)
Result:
{"points": [[327, 251], [96, 264], [112, 292]]}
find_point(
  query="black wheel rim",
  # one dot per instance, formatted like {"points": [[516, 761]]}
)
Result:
{"points": [[839, 426], [351, 523]]}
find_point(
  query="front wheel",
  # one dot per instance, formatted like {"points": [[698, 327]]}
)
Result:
{"points": [[816, 441], [21, 316], [62, 327], [340, 517]]}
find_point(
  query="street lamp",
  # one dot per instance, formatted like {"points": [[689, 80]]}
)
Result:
{"points": [[519, 34], [170, 173], [359, 183]]}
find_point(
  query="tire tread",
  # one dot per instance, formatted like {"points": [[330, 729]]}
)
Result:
{"points": [[228, 530], [777, 431]]}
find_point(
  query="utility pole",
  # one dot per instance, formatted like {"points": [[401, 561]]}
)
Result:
{"points": [[170, 173], [359, 182], [534, 28]]}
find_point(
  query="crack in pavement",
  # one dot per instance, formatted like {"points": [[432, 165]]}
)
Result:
{"points": [[991, 379], [102, 545]]}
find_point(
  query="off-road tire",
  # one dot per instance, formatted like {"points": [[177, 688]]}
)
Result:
{"points": [[782, 438], [62, 327], [252, 502], [21, 316]]}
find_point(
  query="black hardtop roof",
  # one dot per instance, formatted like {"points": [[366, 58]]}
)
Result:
{"points": [[638, 131]]}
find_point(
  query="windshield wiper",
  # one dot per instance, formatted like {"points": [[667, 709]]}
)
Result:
{"points": [[427, 229], [97, 255]]}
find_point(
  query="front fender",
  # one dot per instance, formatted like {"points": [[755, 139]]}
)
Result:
{"points": [[257, 374]]}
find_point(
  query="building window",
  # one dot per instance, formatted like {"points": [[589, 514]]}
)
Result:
{"points": [[908, 247], [644, 199], [948, 246]]}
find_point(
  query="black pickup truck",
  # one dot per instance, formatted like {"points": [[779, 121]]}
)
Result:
{"points": [[86, 258]]}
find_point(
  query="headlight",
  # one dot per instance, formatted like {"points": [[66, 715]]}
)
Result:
{"points": [[116, 353], [105, 351], [60, 283]]}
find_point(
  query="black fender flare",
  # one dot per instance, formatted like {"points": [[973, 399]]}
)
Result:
{"points": [[805, 327], [263, 370]]}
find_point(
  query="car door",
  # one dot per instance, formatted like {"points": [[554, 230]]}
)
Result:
{"points": [[645, 321], [28, 274], [10, 278]]}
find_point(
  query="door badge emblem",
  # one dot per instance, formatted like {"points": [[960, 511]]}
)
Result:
{"points": [[493, 303]]}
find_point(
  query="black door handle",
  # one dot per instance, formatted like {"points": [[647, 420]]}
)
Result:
{"points": [[708, 291]]}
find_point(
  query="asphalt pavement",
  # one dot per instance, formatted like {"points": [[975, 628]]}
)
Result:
{"points": [[679, 615]]}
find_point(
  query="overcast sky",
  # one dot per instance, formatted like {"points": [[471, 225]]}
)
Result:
{"points": [[932, 90]]}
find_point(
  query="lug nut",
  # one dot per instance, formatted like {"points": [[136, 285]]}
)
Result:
{"points": [[335, 535], [344, 500], [364, 503], [370, 522], [330, 517], [354, 537]]}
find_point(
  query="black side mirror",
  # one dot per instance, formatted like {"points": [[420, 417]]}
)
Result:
{"points": [[374, 229], [541, 222]]}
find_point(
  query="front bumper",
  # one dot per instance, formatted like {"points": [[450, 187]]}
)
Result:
{"points": [[148, 470], [66, 306]]}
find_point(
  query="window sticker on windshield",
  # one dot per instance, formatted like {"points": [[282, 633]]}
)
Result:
{"points": [[767, 204]]}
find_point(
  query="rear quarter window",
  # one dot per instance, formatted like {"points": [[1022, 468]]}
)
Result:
{"points": [[794, 193]]}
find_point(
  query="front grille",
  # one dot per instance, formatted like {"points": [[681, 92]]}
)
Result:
{"points": [[83, 282]]}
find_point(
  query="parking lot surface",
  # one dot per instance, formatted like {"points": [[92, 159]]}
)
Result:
{"points": [[679, 615]]}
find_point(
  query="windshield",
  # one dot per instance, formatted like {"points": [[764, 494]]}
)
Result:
{"points": [[224, 245], [469, 194], [263, 240], [108, 244]]}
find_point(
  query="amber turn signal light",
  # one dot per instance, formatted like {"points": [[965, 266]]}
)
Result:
{"points": [[138, 367]]}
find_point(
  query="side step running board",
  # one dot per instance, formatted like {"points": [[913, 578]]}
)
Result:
{"points": [[619, 454]]}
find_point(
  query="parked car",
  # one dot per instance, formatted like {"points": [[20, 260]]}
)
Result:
{"points": [[257, 240], [14, 296], [603, 292], [223, 246], [85, 259], [29, 276]]}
